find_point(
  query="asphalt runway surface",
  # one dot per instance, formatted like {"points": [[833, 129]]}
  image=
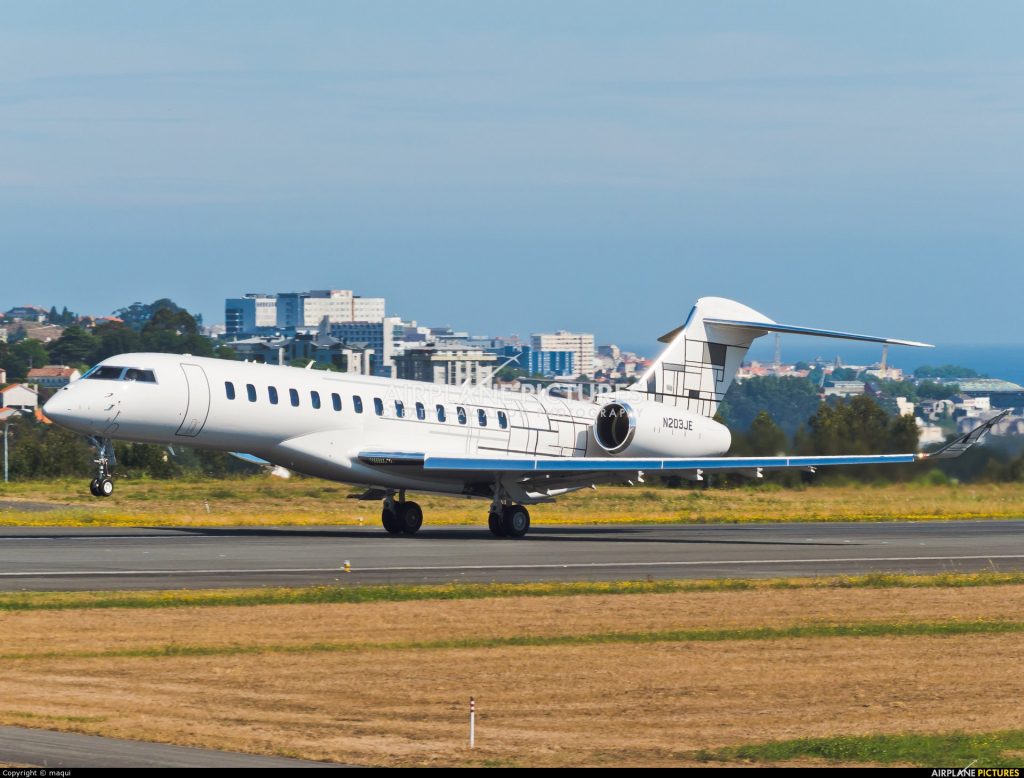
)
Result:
{"points": [[41, 748], [57, 559]]}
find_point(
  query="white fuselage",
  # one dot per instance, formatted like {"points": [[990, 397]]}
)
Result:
{"points": [[229, 406]]}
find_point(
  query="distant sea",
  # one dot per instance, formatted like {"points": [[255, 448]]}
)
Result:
{"points": [[1006, 362]]}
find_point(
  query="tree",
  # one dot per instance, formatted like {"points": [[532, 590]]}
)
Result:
{"points": [[74, 347], [46, 451], [174, 331], [860, 427], [789, 401], [765, 438], [115, 338], [24, 355], [944, 371], [844, 374]]}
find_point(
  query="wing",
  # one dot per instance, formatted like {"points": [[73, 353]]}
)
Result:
{"points": [[624, 465], [548, 475]]}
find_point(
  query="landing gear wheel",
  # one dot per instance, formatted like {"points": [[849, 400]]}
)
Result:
{"points": [[516, 520], [389, 518], [105, 487], [410, 517], [94, 487], [496, 525]]}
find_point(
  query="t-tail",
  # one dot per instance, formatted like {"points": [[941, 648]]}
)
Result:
{"points": [[703, 355]]}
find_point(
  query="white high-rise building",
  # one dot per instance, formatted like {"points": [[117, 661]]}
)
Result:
{"points": [[257, 313], [367, 308], [580, 343], [335, 304]]}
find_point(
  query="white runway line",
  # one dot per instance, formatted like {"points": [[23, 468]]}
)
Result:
{"points": [[551, 566]]}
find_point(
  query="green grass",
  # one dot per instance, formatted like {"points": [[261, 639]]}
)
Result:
{"points": [[818, 630], [957, 749], [358, 593]]}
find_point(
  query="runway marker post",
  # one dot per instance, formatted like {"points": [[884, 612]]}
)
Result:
{"points": [[472, 723]]}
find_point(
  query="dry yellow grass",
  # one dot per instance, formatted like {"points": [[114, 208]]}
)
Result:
{"points": [[621, 704], [592, 705], [388, 622], [267, 500]]}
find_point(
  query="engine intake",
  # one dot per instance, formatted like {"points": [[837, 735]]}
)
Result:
{"points": [[615, 427]]}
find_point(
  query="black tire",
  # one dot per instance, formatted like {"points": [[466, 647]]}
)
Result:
{"points": [[389, 519], [496, 525], [94, 487], [410, 517], [105, 487], [516, 520]]}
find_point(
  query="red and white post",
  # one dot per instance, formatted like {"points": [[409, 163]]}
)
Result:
{"points": [[472, 723]]}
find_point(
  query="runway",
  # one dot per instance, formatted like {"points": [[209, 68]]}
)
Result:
{"points": [[57, 559], [41, 748]]}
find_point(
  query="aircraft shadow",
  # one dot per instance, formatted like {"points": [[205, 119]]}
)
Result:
{"points": [[537, 534]]}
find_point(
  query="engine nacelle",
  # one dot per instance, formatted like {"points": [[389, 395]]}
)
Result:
{"points": [[649, 429]]}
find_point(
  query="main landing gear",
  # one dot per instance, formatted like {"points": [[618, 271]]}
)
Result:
{"points": [[507, 519], [403, 517], [102, 485]]}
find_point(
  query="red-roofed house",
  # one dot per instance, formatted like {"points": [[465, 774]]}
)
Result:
{"points": [[53, 376]]}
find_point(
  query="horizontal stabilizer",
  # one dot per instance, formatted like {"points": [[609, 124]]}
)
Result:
{"points": [[958, 446], [761, 328]]}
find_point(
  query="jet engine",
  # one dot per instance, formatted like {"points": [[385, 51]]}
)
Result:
{"points": [[648, 429]]}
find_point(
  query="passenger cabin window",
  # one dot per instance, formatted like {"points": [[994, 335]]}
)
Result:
{"points": [[251, 391], [461, 413], [440, 413], [229, 390], [336, 401], [134, 374], [421, 412], [481, 417], [399, 409], [314, 399], [294, 395], [272, 393], [378, 406], [357, 403], [105, 373], [502, 420]]}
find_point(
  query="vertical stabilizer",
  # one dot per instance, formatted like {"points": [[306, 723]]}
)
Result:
{"points": [[697, 368]]}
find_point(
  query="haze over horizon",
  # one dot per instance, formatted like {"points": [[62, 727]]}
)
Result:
{"points": [[588, 166]]}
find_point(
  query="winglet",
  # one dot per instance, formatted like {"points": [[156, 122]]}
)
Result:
{"points": [[958, 446]]}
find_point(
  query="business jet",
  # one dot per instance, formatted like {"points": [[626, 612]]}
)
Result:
{"points": [[392, 436]]}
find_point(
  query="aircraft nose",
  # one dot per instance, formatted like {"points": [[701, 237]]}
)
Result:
{"points": [[57, 409]]}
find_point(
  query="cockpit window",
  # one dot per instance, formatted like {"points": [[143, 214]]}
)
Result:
{"points": [[105, 373], [112, 373]]}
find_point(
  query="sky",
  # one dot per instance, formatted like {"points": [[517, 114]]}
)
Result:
{"points": [[522, 167]]}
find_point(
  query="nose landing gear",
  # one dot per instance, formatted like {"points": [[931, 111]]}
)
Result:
{"points": [[103, 485]]}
